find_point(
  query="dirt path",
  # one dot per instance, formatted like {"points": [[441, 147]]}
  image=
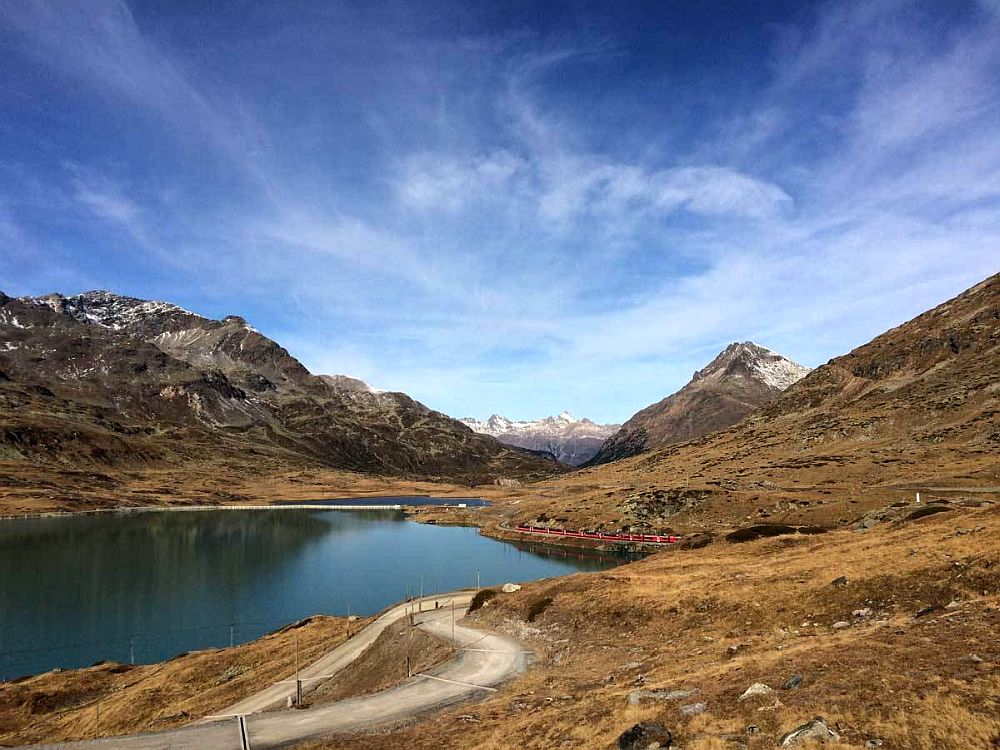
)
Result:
{"points": [[483, 661]]}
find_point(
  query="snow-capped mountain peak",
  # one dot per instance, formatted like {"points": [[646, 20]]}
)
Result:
{"points": [[746, 358]]}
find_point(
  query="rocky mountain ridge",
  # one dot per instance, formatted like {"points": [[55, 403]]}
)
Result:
{"points": [[103, 379], [741, 378], [573, 441]]}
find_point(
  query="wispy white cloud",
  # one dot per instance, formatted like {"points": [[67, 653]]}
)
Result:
{"points": [[563, 187], [106, 203], [448, 183]]}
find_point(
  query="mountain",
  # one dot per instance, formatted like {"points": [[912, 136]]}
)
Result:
{"points": [[915, 409], [98, 379], [743, 377], [572, 441]]}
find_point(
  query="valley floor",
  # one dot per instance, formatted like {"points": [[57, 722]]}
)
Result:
{"points": [[40, 488]]}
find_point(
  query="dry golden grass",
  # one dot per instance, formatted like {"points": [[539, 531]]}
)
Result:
{"points": [[383, 664], [724, 617], [113, 699]]}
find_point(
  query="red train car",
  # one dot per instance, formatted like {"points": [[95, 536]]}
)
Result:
{"points": [[600, 535]]}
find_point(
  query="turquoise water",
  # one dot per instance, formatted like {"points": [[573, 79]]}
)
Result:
{"points": [[149, 586]]}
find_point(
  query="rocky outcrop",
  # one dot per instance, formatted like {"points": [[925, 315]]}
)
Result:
{"points": [[812, 731]]}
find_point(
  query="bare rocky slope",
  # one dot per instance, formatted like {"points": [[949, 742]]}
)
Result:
{"points": [[101, 380], [743, 377], [572, 441]]}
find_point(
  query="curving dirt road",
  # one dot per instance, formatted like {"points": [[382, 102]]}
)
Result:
{"points": [[483, 660]]}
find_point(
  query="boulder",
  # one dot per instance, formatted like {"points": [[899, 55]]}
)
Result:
{"points": [[758, 688], [815, 729], [510, 588], [841, 625], [840, 581], [693, 709], [792, 682], [645, 735]]}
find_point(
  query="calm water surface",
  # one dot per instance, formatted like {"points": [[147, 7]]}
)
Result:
{"points": [[80, 589]]}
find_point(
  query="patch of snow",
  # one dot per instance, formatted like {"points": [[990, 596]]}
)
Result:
{"points": [[762, 364], [351, 383], [563, 425], [106, 309]]}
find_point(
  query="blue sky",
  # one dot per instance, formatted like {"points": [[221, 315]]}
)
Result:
{"points": [[508, 207]]}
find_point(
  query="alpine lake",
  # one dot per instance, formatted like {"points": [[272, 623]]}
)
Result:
{"points": [[146, 586]]}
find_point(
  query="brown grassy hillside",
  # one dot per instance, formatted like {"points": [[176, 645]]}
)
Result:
{"points": [[918, 407]]}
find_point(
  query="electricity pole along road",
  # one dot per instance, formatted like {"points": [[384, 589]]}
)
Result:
{"points": [[482, 661]]}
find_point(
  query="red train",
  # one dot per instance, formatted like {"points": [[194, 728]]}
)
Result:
{"points": [[600, 535]]}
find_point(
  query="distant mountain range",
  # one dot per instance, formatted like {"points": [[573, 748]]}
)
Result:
{"points": [[102, 380], [572, 441], [741, 378]]}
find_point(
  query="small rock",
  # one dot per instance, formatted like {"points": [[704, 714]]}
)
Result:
{"points": [[758, 688], [953, 605], [871, 744], [693, 709], [862, 614], [753, 729], [841, 625], [841, 581], [816, 729], [510, 588], [645, 735], [639, 696], [976, 659], [792, 682], [924, 611]]}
